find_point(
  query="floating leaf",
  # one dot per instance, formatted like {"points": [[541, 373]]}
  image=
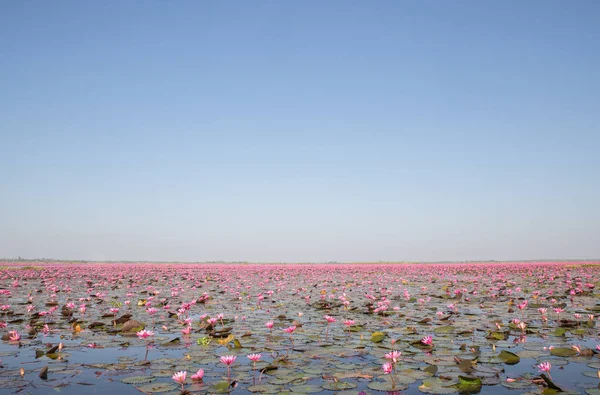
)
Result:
{"points": [[563, 352], [226, 340], [436, 386], [559, 332], [132, 326], [432, 369], [377, 337], [221, 388], [306, 389], [262, 388], [281, 380], [509, 358], [440, 330], [497, 336], [156, 388], [468, 385], [338, 385], [386, 386], [138, 380]]}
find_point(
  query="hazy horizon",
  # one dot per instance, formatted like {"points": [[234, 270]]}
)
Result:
{"points": [[474, 261], [300, 132]]}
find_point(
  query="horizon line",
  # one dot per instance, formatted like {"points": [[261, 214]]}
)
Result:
{"points": [[19, 259]]}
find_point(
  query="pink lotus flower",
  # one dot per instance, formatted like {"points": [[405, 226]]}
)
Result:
{"points": [[151, 310], [228, 360], [387, 368], [394, 356], [14, 336], [187, 330], [180, 377], [198, 376], [254, 357], [144, 334], [427, 340], [269, 324], [290, 329], [545, 367], [330, 320]]}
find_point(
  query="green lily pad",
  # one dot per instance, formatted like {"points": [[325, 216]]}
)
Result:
{"points": [[312, 371], [468, 384], [589, 373], [222, 387], [517, 385], [436, 386], [559, 332], [306, 389], [497, 336], [377, 337], [440, 330], [156, 388], [338, 385], [138, 380], [509, 358], [280, 380], [262, 388], [386, 386], [563, 352], [163, 373]]}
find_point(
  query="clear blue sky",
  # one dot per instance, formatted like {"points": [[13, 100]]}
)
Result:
{"points": [[300, 130]]}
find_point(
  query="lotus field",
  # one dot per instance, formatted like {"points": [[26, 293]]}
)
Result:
{"points": [[300, 329]]}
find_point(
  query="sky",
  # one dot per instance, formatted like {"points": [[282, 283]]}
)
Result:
{"points": [[294, 131]]}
